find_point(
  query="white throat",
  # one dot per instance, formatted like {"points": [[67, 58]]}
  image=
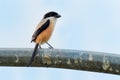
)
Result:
{"points": [[53, 20]]}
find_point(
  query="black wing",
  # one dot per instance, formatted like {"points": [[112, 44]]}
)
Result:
{"points": [[42, 28]]}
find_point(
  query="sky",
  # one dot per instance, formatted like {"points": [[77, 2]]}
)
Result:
{"points": [[90, 25]]}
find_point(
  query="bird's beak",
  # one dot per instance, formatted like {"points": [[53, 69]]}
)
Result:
{"points": [[58, 16]]}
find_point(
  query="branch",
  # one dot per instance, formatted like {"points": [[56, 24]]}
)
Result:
{"points": [[59, 58]]}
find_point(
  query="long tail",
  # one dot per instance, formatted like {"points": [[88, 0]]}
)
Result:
{"points": [[33, 55]]}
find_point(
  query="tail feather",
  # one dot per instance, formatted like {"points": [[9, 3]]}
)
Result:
{"points": [[33, 55]]}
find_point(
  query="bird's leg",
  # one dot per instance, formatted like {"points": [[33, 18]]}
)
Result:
{"points": [[39, 46], [49, 45]]}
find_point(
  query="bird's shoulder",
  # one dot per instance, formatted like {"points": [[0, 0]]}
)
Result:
{"points": [[42, 22], [40, 28]]}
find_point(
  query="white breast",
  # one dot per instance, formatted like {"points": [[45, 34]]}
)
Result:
{"points": [[53, 20]]}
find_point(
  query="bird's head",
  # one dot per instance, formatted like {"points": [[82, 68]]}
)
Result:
{"points": [[52, 14]]}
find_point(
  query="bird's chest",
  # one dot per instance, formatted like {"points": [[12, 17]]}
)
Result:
{"points": [[47, 33]]}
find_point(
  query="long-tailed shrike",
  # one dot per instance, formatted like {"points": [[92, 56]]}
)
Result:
{"points": [[43, 32]]}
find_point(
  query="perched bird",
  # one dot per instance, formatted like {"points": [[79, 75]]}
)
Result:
{"points": [[43, 32]]}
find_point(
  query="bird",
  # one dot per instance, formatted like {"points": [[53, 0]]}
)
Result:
{"points": [[43, 32]]}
